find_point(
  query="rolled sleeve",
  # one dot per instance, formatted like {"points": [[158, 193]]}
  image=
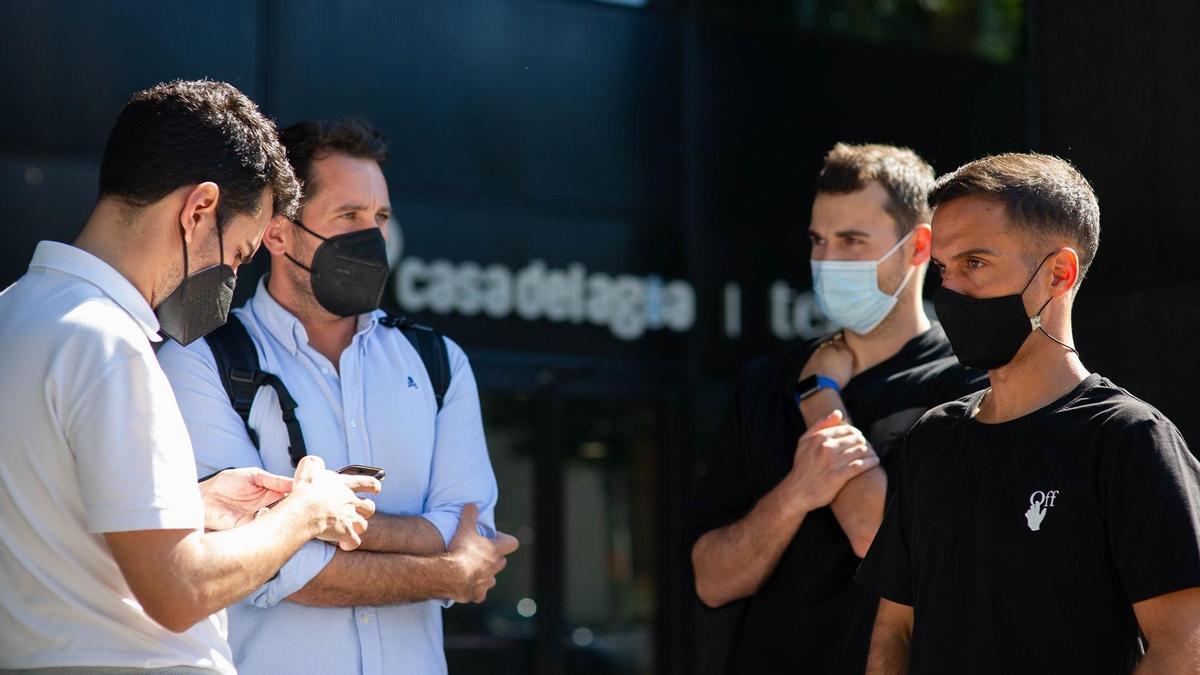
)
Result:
{"points": [[446, 522], [294, 575], [462, 471]]}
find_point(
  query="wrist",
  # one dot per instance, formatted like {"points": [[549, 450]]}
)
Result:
{"points": [[455, 578], [820, 404], [302, 514], [810, 386], [791, 499]]}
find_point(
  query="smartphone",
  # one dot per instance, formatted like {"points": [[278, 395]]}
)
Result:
{"points": [[353, 470], [363, 470]]}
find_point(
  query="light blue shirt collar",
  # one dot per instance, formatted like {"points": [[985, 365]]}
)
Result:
{"points": [[285, 327], [67, 259]]}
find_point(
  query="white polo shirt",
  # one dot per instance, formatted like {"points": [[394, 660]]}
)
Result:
{"points": [[91, 441]]}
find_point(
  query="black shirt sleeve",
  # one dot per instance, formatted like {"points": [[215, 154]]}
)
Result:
{"points": [[1152, 502], [887, 569], [724, 493]]}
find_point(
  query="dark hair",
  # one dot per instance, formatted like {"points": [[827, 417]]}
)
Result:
{"points": [[906, 177], [1042, 195], [314, 139], [188, 132]]}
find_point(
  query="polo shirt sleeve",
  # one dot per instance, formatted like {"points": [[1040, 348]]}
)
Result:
{"points": [[461, 471], [887, 568], [1151, 488], [220, 441], [133, 458]]}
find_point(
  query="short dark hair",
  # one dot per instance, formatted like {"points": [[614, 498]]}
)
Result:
{"points": [[315, 139], [188, 132], [1042, 195], [906, 177]]}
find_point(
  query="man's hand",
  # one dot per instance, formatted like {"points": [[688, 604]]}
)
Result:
{"points": [[828, 455], [480, 559], [833, 359], [329, 499], [234, 496]]}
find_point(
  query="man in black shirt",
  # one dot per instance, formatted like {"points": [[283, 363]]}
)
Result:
{"points": [[1041, 525], [794, 495]]}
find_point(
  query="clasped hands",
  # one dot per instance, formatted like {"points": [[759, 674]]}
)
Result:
{"points": [[831, 452]]}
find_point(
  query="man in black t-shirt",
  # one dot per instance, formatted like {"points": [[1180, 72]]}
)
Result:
{"points": [[1049, 524], [793, 496]]}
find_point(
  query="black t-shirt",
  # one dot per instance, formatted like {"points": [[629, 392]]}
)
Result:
{"points": [[810, 612], [1022, 545]]}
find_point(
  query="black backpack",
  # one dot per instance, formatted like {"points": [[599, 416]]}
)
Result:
{"points": [[237, 364]]}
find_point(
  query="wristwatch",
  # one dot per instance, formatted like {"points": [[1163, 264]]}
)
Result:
{"points": [[814, 383]]}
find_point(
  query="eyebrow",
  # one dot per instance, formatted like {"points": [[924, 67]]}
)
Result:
{"points": [[351, 206], [976, 251], [844, 233]]}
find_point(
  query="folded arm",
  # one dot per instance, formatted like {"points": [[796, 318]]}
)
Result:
{"points": [[859, 506], [734, 561]]}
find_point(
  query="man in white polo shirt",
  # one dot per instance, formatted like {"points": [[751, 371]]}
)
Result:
{"points": [[105, 562], [363, 396]]}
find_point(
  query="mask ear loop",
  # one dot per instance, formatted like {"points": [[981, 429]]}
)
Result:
{"points": [[297, 262], [911, 268], [904, 283], [1035, 321], [220, 245], [896, 246], [184, 282]]}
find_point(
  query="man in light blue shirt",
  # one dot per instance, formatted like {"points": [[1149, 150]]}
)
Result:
{"points": [[363, 396]]}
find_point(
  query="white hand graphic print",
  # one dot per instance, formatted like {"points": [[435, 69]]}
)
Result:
{"points": [[1039, 503], [1034, 516]]}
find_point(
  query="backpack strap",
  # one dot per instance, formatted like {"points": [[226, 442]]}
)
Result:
{"points": [[431, 346], [237, 364]]}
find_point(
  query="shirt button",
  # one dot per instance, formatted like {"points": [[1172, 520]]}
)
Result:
{"points": [[353, 424], [364, 618], [324, 370]]}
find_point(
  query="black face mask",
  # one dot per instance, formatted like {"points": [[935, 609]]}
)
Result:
{"points": [[200, 303], [348, 271], [987, 333]]}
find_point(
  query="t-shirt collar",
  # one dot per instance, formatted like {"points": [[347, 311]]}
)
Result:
{"points": [[284, 325], [67, 259], [927, 340]]}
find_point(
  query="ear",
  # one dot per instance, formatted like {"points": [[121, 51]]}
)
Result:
{"points": [[277, 235], [922, 237], [1064, 271], [199, 205]]}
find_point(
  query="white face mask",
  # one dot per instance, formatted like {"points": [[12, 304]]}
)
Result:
{"points": [[848, 291]]}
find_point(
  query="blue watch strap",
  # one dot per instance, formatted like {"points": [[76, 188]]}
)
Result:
{"points": [[828, 383]]}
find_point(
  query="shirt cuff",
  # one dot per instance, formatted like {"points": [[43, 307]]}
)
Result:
{"points": [[445, 522], [294, 575]]}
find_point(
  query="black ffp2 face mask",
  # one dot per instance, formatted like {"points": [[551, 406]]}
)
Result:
{"points": [[200, 303], [349, 271], [987, 333]]}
